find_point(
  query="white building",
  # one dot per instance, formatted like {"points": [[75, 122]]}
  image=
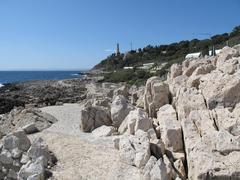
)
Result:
{"points": [[127, 67], [198, 54], [146, 66]]}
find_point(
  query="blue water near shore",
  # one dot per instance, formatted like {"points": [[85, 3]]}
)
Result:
{"points": [[20, 76]]}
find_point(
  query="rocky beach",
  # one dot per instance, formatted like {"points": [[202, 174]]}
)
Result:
{"points": [[184, 127]]}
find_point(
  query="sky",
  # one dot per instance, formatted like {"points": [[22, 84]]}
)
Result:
{"points": [[77, 34]]}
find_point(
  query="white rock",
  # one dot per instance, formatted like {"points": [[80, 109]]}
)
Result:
{"points": [[93, 117], [159, 171], [135, 120], [39, 149], [170, 128], [156, 95], [31, 169], [119, 110], [103, 131], [148, 167], [135, 150]]}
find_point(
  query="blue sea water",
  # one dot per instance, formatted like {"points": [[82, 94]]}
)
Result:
{"points": [[20, 76]]}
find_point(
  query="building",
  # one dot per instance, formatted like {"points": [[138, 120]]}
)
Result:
{"points": [[146, 66], [117, 50], [199, 54], [128, 67]]}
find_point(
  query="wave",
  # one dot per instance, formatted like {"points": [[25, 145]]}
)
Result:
{"points": [[1, 85], [74, 74]]}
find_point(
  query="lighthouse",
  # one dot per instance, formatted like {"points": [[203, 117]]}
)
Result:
{"points": [[117, 50]]}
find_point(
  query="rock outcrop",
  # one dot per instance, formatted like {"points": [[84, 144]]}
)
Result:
{"points": [[170, 128], [19, 159], [41, 93], [31, 120], [119, 110], [93, 117], [135, 150], [206, 98], [135, 120], [156, 95]]}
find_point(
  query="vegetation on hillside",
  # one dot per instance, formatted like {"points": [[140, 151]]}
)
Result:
{"points": [[169, 54]]}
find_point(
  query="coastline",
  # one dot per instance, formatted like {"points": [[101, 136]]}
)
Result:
{"points": [[41, 93]]}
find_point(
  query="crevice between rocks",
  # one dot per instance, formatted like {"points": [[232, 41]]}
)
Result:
{"points": [[184, 150]]}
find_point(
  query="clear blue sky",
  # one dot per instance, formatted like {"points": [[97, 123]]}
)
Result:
{"points": [[77, 34]]}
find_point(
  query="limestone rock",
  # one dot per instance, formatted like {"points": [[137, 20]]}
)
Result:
{"points": [[19, 118], [171, 174], [220, 90], [21, 160], [135, 149], [170, 128], [135, 120], [189, 99], [180, 170], [175, 70], [31, 169], [119, 110], [16, 139], [103, 131], [156, 95], [159, 171], [39, 149], [148, 167], [123, 90], [93, 117]]}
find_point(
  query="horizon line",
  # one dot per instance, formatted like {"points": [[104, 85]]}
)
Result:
{"points": [[84, 69]]}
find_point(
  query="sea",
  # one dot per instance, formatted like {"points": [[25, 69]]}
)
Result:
{"points": [[21, 76]]}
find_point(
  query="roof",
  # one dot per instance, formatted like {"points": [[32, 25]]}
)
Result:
{"points": [[193, 55]]}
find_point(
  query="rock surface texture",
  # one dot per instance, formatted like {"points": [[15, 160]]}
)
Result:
{"points": [[207, 107], [19, 159], [156, 95], [31, 120]]}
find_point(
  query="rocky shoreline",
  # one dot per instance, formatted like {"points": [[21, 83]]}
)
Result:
{"points": [[41, 93], [186, 127]]}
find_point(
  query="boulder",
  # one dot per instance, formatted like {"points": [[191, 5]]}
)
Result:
{"points": [[171, 174], [226, 54], [214, 149], [135, 149], [105, 102], [189, 99], [31, 119], [148, 167], [135, 120], [119, 110], [39, 149], [177, 83], [220, 89], [19, 159], [159, 171], [104, 131], [17, 140], [93, 117], [123, 90], [170, 128], [33, 169], [175, 70], [156, 95]]}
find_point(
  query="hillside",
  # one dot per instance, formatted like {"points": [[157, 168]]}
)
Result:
{"points": [[171, 53]]}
